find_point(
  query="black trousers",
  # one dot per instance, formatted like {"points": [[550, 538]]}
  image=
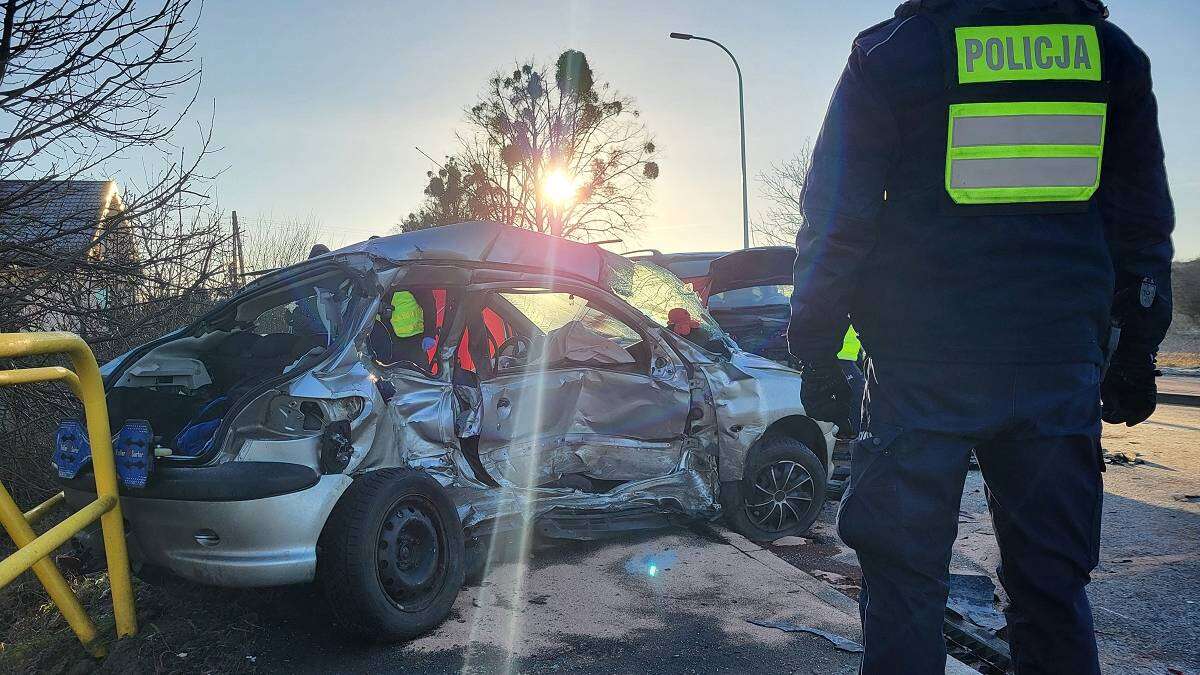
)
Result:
{"points": [[1036, 432]]}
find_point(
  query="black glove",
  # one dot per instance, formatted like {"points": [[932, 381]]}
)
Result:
{"points": [[825, 393], [1128, 393]]}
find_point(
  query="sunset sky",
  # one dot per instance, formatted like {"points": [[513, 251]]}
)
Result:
{"points": [[318, 106]]}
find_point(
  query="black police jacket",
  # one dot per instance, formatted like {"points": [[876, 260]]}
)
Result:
{"points": [[883, 245]]}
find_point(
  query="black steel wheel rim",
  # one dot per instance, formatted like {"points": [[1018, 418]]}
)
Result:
{"points": [[411, 556], [782, 493]]}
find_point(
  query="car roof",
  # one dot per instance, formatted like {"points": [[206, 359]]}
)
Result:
{"points": [[489, 242]]}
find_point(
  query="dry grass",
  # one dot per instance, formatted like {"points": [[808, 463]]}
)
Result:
{"points": [[1179, 360], [183, 627]]}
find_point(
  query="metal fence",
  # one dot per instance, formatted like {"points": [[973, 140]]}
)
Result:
{"points": [[33, 551]]}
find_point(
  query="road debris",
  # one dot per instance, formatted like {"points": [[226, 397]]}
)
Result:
{"points": [[1105, 609], [1187, 499], [833, 578], [976, 646], [1123, 458], [973, 596], [844, 644], [791, 541]]}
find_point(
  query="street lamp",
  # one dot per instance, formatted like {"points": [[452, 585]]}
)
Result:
{"points": [[742, 118]]}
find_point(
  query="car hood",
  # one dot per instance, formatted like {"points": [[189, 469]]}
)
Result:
{"points": [[753, 362]]}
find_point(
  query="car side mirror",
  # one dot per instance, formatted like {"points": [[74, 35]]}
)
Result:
{"points": [[661, 362]]}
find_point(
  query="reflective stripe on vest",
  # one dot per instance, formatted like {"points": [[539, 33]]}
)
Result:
{"points": [[1003, 153], [408, 319], [1025, 152]]}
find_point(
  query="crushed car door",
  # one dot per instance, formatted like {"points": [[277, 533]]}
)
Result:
{"points": [[575, 389]]}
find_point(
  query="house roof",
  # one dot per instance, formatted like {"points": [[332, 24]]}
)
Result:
{"points": [[62, 217]]}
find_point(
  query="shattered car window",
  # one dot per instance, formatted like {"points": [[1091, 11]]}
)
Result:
{"points": [[654, 291], [313, 310]]}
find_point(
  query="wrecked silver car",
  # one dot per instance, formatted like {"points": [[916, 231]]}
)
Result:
{"points": [[368, 417]]}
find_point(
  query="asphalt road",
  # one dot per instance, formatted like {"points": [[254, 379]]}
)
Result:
{"points": [[1146, 591], [675, 601], [1179, 384]]}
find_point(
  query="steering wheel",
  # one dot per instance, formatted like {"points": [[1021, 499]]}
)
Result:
{"points": [[519, 346]]}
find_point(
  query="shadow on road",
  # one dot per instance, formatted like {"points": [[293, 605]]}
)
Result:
{"points": [[688, 631]]}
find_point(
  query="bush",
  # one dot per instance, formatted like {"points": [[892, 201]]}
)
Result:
{"points": [[1186, 286]]}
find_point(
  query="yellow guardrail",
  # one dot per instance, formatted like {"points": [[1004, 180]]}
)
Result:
{"points": [[33, 551]]}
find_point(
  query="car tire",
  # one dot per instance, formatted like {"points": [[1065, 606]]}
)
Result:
{"points": [[792, 498], [390, 559]]}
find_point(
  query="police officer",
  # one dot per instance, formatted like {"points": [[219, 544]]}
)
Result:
{"points": [[988, 179]]}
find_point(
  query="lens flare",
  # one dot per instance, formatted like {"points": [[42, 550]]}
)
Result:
{"points": [[560, 188], [516, 543]]}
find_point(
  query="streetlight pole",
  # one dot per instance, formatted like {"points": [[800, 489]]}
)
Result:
{"points": [[742, 119]]}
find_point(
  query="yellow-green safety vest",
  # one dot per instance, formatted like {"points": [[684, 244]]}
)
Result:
{"points": [[850, 346], [408, 319]]}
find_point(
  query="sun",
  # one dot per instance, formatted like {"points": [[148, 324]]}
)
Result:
{"points": [[559, 187]]}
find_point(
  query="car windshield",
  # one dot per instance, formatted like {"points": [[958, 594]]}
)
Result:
{"points": [[654, 291], [756, 296]]}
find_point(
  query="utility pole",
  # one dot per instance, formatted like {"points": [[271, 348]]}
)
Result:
{"points": [[239, 261], [742, 120]]}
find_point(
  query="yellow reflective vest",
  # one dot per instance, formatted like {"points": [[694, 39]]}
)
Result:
{"points": [[408, 319], [850, 346]]}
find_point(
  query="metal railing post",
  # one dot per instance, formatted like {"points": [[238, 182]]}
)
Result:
{"points": [[33, 550]]}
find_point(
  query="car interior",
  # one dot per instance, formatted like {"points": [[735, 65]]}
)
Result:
{"points": [[525, 329], [186, 386]]}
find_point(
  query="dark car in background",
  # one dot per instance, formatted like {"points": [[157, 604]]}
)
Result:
{"points": [[746, 291]]}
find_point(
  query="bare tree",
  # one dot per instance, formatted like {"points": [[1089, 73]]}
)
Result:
{"points": [[272, 244], [84, 85], [552, 150], [781, 186]]}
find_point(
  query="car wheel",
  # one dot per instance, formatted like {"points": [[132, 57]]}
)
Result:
{"points": [[781, 492], [391, 555]]}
